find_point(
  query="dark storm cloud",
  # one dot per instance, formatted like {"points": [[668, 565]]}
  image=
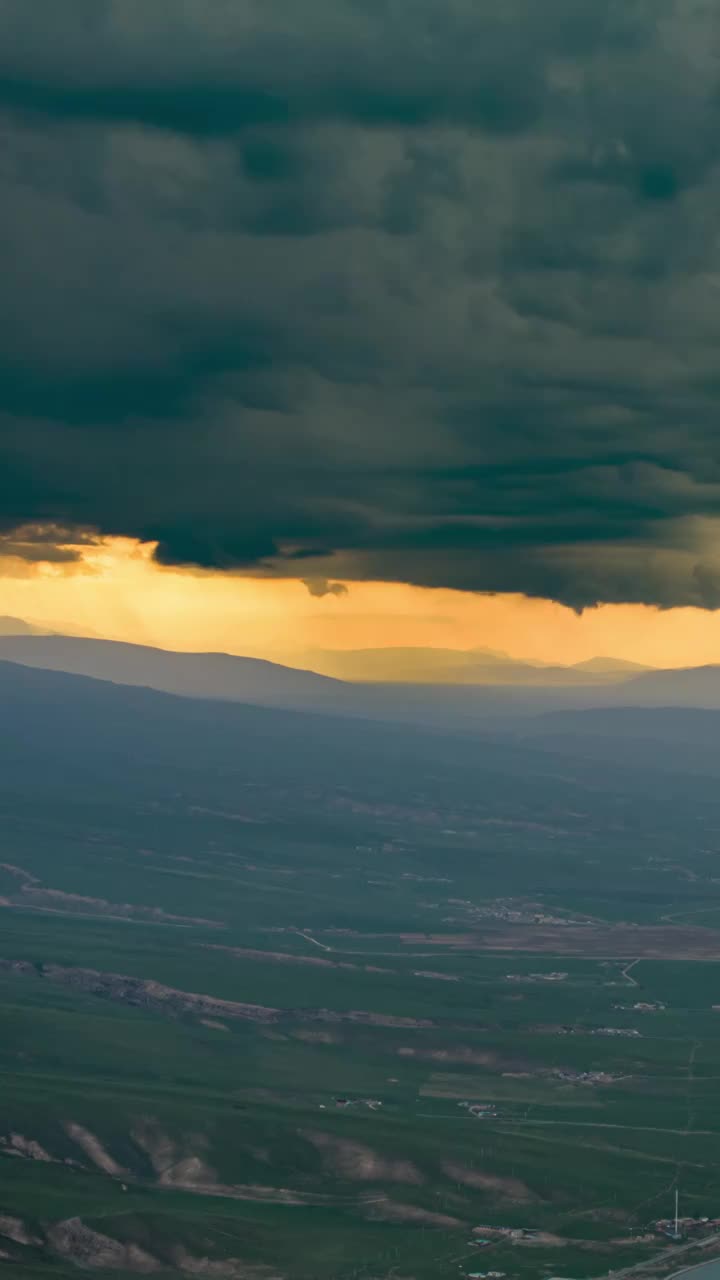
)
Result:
{"points": [[43, 544], [320, 587], [358, 288], [214, 69]]}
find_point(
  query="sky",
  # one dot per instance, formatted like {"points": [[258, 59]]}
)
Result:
{"points": [[419, 301], [116, 591]]}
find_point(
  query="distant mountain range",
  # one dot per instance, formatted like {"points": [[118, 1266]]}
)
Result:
{"points": [[63, 723], [212, 675], [485, 706], [460, 666]]}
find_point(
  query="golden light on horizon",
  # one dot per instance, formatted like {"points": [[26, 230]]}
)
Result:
{"points": [[115, 590]]}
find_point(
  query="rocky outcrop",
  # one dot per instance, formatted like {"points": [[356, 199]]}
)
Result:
{"points": [[73, 1240]]}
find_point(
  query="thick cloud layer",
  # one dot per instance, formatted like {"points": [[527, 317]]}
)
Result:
{"points": [[360, 288]]}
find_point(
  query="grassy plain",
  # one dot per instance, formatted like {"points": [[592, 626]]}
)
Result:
{"points": [[395, 921]]}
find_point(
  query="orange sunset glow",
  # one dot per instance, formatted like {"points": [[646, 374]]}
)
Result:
{"points": [[116, 591]]}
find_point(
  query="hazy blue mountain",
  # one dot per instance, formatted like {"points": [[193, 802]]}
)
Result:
{"points": [[405, 664], [472, 706], [686, 687], [530, 674], [227, 677], [415, 692], [65, 730], [611, 666], [209, 675], [61, 726], [680, 739], [417, 665]]}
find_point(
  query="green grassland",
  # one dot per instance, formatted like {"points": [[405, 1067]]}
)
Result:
{"points": [[331, 893]]}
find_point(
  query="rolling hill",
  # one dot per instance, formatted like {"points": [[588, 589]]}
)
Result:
{"points": [[511, 690], [197, 675]]}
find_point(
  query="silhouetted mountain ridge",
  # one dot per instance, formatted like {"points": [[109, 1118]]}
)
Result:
{"points": [[203, 675], [470, 706]]}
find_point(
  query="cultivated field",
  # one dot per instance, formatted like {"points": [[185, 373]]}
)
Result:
{"points": [[321, 1018]]}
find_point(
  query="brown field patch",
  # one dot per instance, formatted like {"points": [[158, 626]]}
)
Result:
{"points": [[662, 942], [94, 1150], [285, 957], [622, 941], [544, 1239], [317, 1037], [58, 902], [386, 1210], [358, 1163], [506, 1188], [459, 1055], [274, 957]]}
